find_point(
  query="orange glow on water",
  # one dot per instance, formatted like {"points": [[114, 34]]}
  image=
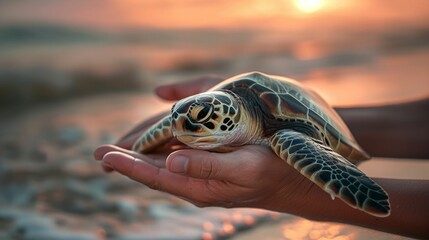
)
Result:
{"points": [[228, 228], [207, 236], [249, 220], [305, 229], [208, 226], [237, 217]]}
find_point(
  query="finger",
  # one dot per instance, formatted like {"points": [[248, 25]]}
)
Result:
{"points": [[177, 91], [204, 165], [155, 177], [132, 135], [100, 152]]}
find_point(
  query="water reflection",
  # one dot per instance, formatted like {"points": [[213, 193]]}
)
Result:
{"points": [[305, 229]]}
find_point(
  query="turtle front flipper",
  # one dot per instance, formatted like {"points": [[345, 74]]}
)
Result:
{"points": [[331, 172], [157, 135]]}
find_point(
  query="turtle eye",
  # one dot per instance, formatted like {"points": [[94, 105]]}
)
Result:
{"points": [[201, 113]]}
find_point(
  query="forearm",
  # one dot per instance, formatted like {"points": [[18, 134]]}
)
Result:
{"points": [[399, 130], [409, 214]]}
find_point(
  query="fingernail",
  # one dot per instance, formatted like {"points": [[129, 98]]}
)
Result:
{"points": [[179, 164]]}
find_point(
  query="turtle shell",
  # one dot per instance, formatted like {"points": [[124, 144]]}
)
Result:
{"points": [[290, 104]]}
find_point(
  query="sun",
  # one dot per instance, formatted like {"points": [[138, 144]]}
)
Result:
{"points": [[309, 6]]}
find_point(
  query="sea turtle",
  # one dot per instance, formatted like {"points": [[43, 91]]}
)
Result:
{"points": [[299, 126]]}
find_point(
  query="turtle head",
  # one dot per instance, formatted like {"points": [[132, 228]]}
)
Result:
{"points": [[207, 120]]}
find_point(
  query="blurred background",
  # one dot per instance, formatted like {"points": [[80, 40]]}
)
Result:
{"points": [[76, 74]]}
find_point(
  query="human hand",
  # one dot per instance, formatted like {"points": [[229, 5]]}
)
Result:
{"points": [[250, 176], [172, 92]]}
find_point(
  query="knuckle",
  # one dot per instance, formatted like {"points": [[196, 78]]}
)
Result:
{"points": [[155, 184], [207, 168]]}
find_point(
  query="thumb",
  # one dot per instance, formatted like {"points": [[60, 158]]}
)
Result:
{"points": [[202, 164]]}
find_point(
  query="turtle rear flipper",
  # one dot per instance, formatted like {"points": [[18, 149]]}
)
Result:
{"points": [[155, 136], [331, 172]]}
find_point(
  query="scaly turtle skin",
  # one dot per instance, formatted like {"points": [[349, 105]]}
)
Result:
{"points": [[300, 127]]}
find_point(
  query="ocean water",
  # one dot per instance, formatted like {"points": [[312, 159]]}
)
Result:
{"points": [[43, 63]]}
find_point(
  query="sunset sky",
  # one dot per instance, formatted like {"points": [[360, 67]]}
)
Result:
{"points": [[351, 41], [277, 14]]}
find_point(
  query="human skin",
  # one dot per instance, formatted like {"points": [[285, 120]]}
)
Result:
{"points": [[253, 176], [395, 130]]}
